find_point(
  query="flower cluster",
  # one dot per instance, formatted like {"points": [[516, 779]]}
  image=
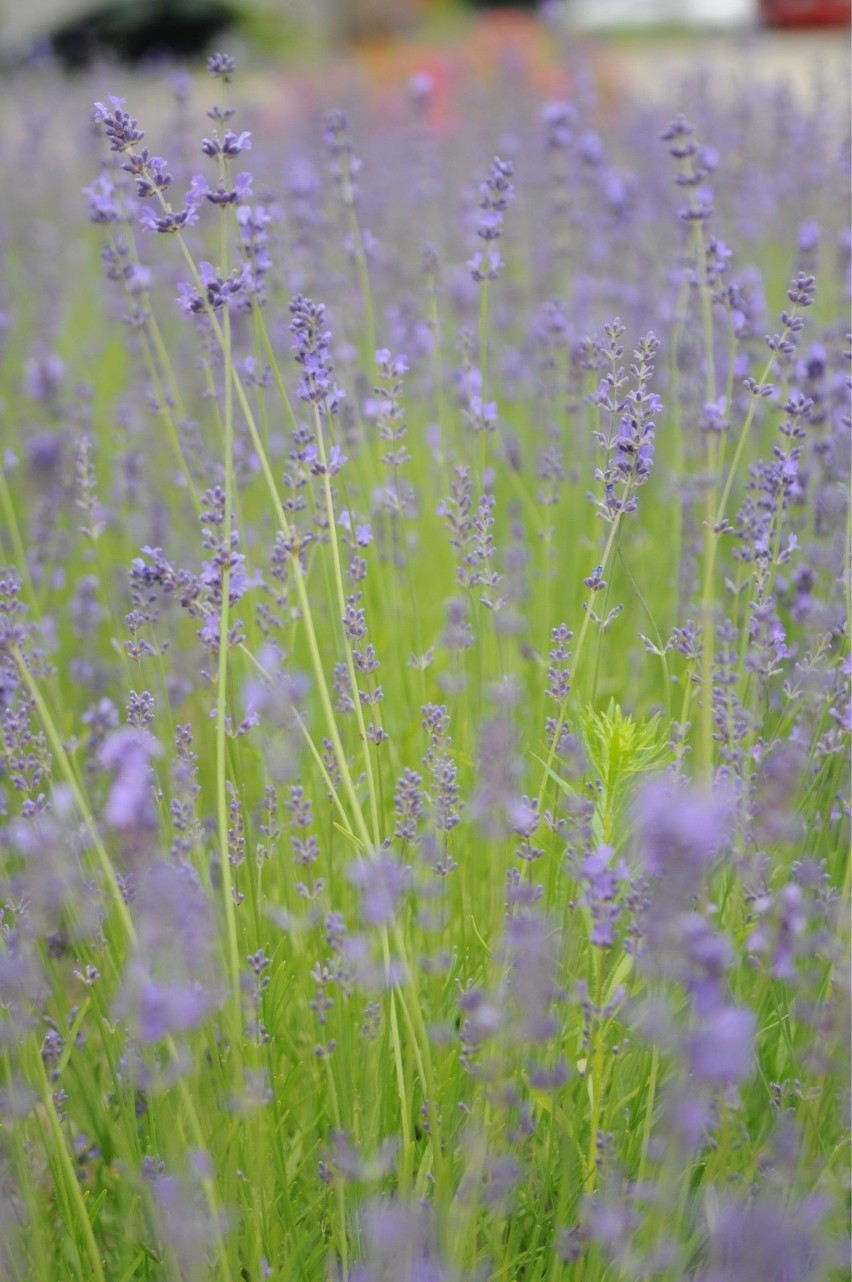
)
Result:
{"points": [[495, 194], [311, 347]]}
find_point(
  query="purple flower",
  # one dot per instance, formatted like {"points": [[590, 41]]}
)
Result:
{"points": [[559, 119], [485, 266], [782, 932], [130, 804], [104, 206], [312, 350], [421, 88], [494, 196], [224, 195], [172, 981], [610, 1221], [721, 1050], [231, 145], [163, 1010], [215, 292], [444, 792], [809, 236], [381, 883], [532, 949], [408, 805], [497, 797], [151, 175], [764, 1240], [345, 165], [400, 1244], [713, 418], [119, 127], [222, 65], [591, 148], [44, 376], [184, 1219], [602, 884], [334, 464], [391, 367], [350, 1163], [679, 833], [172, 220]]}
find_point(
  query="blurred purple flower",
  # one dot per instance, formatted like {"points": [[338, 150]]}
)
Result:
{"points": [[381, 883], [602, 884], [172, 981], [44, 376], [222, 66], [130, 803], [769, 1241], [721, 1050], [183, 1217], [400, 1245], [680, 831], [495, 194], [532, 949], [421, 87], [782, 930]]}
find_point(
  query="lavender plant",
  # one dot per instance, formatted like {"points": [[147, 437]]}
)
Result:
{"points": [[424, 689]]}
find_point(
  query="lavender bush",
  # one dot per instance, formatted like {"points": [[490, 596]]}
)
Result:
{"points": [[424, 686]]}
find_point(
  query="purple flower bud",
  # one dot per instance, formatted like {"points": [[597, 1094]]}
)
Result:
{"points": [[120, 129], [221, 65]]}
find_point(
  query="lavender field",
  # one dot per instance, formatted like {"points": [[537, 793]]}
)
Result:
{"points": [[424, 683]]}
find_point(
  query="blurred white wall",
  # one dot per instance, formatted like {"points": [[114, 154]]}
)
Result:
{"points": [[626, 13]]}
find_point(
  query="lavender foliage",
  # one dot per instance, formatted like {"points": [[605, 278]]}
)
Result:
{"points": [[425, 680]]}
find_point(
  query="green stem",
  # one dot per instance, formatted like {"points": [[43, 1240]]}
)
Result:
{"points": [[70, 1184], [650, 1096], [596, 1081], [708, 603], [341, 604], [15, 536], [222, 808], [340, 1190], [363, 273]]}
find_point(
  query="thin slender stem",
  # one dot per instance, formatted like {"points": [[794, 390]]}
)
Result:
{"points": [[341, 604], [596, 1066], [222, 807], [650, 1097]]}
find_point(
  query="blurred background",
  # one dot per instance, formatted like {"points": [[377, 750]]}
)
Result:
{"points": [[78, 32]]}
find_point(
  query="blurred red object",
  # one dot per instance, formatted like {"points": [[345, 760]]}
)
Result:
{"points": [[805, 13]]}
